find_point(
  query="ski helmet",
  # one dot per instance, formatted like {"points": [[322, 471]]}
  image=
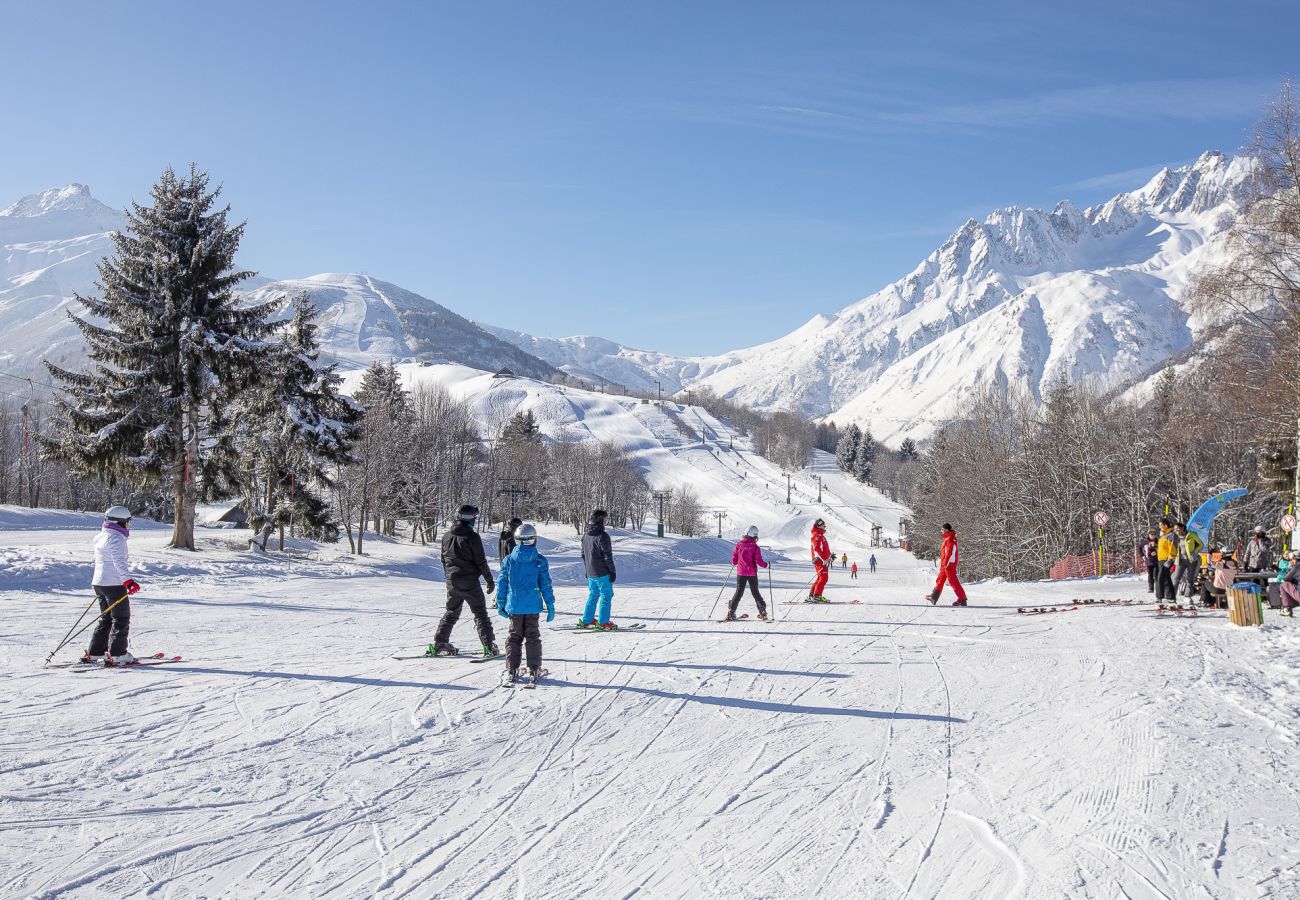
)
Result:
{"points": [[820, 523], [468, 513], [118, 515], [527, 535], [752, 531], [1259, 529]]}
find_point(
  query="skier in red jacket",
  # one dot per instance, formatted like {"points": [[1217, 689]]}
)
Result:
{"points": [[821, 557], [948, 569]]}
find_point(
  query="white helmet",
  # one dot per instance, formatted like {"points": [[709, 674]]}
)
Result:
{"points": [[1259, 529], [526, 534], [119, 515], [752, 531]]}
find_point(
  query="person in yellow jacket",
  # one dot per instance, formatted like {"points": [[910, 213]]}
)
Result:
{"points": [[1166, 556]]}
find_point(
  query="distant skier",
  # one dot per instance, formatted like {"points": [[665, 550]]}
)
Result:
{"points": [[463, 564], [598, 556], [844, 560], [948, 558], [1166, 556], [747, 557], [525, 588], [1258, 554], [853, 571], [1147, 550], [506, 542], [112, 585], [872, 563], [821, 559]]}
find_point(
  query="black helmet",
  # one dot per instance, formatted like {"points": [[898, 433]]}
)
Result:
{"points": [[468, 513], [820, 523], [515, 523], [598, 515]]}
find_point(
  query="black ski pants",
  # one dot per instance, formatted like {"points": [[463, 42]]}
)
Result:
{"points": [[1165, 582], [750, 581], [1151, 578], [525, 634], [460, 592], [114, 623]]}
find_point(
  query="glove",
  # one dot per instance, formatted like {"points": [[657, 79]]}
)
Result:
{"points": [[613, 577], [550, 614], [491, 585], [132, 586], [501, 611]]}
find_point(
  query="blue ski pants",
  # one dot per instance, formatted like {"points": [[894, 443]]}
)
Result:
{"points": [[599, 590]]}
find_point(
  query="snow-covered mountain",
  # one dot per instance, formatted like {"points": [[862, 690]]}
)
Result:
{"points": [[1021, 298], [50, 245], [364, 319], [603, 361]]}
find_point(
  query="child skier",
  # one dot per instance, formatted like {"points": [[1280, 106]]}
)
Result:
{"points": [[463, 564], [525, 587], [821, 557], [598, 557], [112, 586], [747, 557], [948, 568], [853, 571]]}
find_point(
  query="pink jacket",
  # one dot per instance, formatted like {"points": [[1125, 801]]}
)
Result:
{"points": [[747, 557]]}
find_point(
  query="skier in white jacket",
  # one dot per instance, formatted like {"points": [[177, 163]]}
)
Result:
{"points": [[112, 585]]}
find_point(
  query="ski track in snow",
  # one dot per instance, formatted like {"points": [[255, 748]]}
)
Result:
{"points": [[879, 749]]}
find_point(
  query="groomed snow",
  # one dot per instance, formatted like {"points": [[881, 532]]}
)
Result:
{"points": [[884, 749]]}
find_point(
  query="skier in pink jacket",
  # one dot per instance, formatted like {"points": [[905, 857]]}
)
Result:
{"points": [[747, 558]]}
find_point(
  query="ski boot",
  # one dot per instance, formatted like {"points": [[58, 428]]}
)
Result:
{"points": [[607, 626], [591, 624], [441, 648], [509, 677], [534, 676], [932, 597], [490, 650], [125, 659], [89, 660], [762, 615], [729, 617], [959, 603], [811, 598]]}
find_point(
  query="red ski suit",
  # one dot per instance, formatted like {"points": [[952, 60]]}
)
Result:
{"points": [[821, 555], [948, 566]]}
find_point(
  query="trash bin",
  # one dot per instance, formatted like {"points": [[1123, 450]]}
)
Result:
{"points": [[1244, 605]]}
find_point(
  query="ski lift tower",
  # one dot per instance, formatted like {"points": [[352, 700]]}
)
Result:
{"points": [[876, 531]]}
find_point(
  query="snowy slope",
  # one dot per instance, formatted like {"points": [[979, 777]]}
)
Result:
{"points": [[1021, 298], [880, 750], [725, 471], [365, 319], [602, 361], [50, 246]]}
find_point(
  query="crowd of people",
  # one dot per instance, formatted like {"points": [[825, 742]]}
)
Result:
{"points": [[1174, 555]]}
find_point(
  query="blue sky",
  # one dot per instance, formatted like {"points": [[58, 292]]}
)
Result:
{"points": [[691, 177]]}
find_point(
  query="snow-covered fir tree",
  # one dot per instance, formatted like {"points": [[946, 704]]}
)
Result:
{"points": [[171, 351], [864, 460], [846, 450], [298, 430]]}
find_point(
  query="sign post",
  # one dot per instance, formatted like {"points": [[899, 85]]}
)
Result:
{"points": [[1100, 519]]}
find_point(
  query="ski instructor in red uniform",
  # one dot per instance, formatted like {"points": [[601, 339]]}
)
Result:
{"points": [[948, 569], [821, 557]]}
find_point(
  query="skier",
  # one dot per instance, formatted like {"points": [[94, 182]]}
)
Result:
{"points": [[853, 571], [525, 587], [821, 557], [463, 564], [1189, 558], [747, 557], [948, 558], [872, 562], [1259, 552], [1166, 554], [112, 586], [598, 556], [844, 560], [1147, 550], [506, 542], [1290, 588]]}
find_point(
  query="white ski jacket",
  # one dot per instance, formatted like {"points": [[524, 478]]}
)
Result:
{"points": [[111, 560]]}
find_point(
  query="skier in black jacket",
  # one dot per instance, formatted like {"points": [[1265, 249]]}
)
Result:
{"points": [[598, 556], [506, 542], [463, 564]]}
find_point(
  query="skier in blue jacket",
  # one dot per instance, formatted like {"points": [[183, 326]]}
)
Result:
{"points": [[524, 586]]}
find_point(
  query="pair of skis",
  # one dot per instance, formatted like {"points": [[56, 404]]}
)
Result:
{"points": [[638, 626], [156, 659], [527, 682]]}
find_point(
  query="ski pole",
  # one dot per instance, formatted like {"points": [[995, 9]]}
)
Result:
{"points": [[63, 643], [714, 608], [105, 612], [771, 593]]}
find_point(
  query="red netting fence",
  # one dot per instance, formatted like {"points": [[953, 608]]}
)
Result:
{"points": [[1087, 566]]}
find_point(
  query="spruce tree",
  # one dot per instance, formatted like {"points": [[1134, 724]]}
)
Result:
{"points": [[298, 430], [170, 348], [864, 460], [846, 450], [907, 451]]}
